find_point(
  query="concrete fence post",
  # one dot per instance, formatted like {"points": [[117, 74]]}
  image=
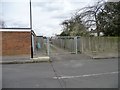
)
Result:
{"points": [[82, 44], [75, 41], [48, 46]]}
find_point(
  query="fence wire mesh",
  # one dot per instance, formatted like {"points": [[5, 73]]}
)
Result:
{"points": [[40, 46]]}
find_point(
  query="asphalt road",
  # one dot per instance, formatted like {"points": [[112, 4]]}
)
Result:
{"points": [[65, 71]]}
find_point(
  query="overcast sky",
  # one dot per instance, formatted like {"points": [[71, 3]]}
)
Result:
{"points": [[47, 15]]}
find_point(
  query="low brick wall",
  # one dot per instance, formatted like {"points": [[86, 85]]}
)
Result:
{"points": [[16, 43]]}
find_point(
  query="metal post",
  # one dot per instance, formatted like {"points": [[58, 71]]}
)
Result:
{"points": [[31, 46], [31, 29], [48, 46], [30, 15], [75, 40]]}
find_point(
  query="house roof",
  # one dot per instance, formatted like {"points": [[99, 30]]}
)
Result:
{"points": [[16, 29]]}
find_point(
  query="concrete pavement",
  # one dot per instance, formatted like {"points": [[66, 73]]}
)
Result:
{"points": [[21, 59]]}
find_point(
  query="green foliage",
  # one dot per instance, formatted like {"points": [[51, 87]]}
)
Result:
{"points": [[73, 27], [64, 34], [109, 19], [105, 16]]}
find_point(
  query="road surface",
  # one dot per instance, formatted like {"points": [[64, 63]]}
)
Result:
{"points": [[66, 71]]}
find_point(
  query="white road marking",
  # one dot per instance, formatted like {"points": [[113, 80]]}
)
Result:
{"points": [[88, 75]]}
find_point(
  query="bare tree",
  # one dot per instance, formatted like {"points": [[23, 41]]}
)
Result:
{"points": [[89, 15]]}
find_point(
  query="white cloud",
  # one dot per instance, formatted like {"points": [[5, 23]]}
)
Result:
{"points": [[48, 14], [15, 14]]}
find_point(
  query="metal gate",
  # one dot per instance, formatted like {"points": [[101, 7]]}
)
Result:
{"points": [[67, 44], [46, 46], [40, 46]]}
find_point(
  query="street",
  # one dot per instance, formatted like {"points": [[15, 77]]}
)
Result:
{"points": [[66, 71]]}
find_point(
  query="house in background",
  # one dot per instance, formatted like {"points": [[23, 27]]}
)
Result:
{"points": [[17, 42], [94, 32]]}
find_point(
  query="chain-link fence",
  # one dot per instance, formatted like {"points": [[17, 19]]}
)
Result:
{"points": [[68, 43], [40, 46]]}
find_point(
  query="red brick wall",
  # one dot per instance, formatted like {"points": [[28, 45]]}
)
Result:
{"points": [[16, 43]]}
